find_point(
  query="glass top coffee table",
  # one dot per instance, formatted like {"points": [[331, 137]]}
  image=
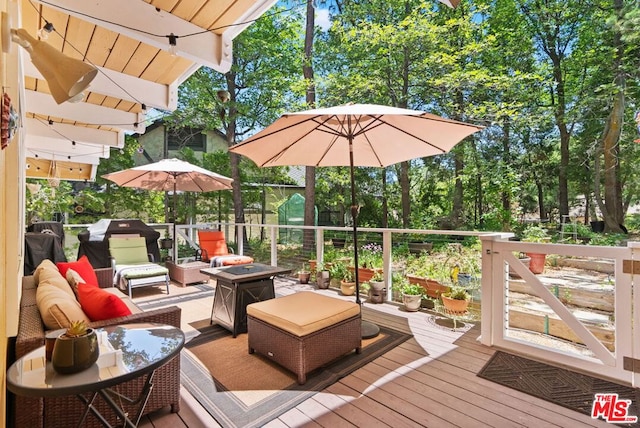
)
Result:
{"points": [[236, 287], [127, 351]]}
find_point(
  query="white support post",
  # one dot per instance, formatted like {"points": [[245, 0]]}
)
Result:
{"points": [[386, 261], [320, 245], [240, 240], [274, 246]]}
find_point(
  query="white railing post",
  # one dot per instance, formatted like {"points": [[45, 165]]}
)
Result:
{"points": [[386, 261], [320, 245], [273, 233], [240, 239], [491, 288]]}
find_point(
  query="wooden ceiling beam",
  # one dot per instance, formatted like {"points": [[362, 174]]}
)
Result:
{"points": [[85, 113], [141, 21], [80, 134], [125, 87]]}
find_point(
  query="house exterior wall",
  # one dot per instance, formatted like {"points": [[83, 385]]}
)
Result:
{"points": [[12, 194], [153, 143]]}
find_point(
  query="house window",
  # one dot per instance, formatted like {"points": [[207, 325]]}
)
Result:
{"points": [[186, 137]]}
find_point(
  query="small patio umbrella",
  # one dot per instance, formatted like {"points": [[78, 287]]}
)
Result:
{"points": [[353, 135], [171, 175]]}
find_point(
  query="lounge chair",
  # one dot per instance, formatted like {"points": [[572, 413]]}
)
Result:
{"points": [[133, 266], [214, 250]]}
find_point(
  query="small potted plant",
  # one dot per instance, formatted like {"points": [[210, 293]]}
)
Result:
{"points": [[348, 283], [456, 301], [336, 273], [76, 349], [304, 274], [411, 294], [377, 287]]}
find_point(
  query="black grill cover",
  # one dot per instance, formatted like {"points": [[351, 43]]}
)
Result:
{"points": [[97, 251], [54, 226], [40, 246]]}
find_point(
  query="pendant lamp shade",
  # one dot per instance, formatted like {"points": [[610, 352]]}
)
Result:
{"points": [[67, 77]]}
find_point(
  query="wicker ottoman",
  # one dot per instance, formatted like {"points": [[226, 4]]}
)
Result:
{"points": [[187, 273], [304, 331]]}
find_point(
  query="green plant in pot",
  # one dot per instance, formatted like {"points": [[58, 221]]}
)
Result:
{"points": [[304, 274], [337, 272], [76, 349], [456, 301], [348, 283], [411, 294], [377, 280]]}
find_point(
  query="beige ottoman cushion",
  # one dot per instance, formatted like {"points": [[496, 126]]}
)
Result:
{"points": [[303, 313]]}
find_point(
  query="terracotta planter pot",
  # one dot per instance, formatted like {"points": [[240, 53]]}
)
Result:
{"points": [[348, 288], [303, 277], [536, 265], [431, 288], [455, 306], [364, 274]]}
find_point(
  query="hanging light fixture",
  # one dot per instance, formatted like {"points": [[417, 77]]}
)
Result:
{"points": [[67, 77]]}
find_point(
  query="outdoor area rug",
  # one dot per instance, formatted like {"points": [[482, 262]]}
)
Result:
{"points": [[559, 386], [243, 390]]}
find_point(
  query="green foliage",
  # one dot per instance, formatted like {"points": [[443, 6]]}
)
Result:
{"points": [[41, 205], [370, 256], [535, 233], [409, 289], [76, 329], [457, 293]]}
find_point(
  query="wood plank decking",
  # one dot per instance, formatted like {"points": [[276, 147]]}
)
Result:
{"points": [[430, 380]]}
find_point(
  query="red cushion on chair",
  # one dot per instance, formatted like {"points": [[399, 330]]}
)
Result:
{"points": [[82, 266], [212, 243], [99, 304]]}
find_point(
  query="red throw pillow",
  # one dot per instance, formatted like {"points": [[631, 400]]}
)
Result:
{"points": [[82, 266], [99, 304]]}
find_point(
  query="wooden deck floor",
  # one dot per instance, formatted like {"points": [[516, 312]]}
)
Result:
{"points": [[430, 380]]}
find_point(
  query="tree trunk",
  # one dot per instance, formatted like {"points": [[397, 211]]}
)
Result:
{"points": [[506, 161], [385, 202], [234, 159], [613, 201], [310, 171], [406, 201]]}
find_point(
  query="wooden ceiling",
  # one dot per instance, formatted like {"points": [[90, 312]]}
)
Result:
{"points": [[128, 40]]}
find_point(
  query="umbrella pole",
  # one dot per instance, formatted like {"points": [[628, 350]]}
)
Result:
{"points": [[175, 240], [368, 329]]}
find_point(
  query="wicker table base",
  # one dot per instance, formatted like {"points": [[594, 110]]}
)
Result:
{"points": [[187, 273]]}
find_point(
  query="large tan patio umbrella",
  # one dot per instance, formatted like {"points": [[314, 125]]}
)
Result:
{"points": [[171, 175], [353, 135]]}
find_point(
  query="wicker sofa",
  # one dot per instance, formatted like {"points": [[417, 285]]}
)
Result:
{"points": [[67, 411]]}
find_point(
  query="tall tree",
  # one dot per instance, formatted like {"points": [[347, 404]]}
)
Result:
{"points": [[250, 96], [310, 97], [555, 24]]}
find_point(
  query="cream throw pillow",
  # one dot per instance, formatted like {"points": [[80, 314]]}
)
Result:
{"points": [[47, 265], [57, 308], [74, 278], [50, 275]]}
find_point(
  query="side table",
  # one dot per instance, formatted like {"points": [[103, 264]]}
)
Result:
{"points": [[187, 273], [237, 287], [126, 352]]}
